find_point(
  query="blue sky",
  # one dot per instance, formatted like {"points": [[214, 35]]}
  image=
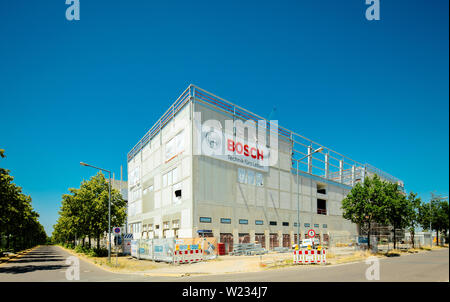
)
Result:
{"points": [[88, 90]]}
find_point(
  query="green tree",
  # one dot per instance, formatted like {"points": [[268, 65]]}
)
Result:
{"points": [[412, 214], [445, 218], [397, 208], [84, 212], [365, 204], [18, 221], [436, 213], [441, 218]]}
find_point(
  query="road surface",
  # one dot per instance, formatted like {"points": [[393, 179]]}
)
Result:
{"points": [[48, 263]]}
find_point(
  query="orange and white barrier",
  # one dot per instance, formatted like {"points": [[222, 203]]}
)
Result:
{"points": [[298, 256], [322, 256], [187, 256], [305, 256]]}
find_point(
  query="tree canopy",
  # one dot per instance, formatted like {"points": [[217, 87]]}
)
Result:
{"points": [[436, 213], [381, 202], [84, 211], [19, 225], [366, 203]]}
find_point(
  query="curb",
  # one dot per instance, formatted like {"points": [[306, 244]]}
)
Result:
{"points": [[167, 275]]}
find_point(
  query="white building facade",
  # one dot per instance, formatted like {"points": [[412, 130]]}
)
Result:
{"points": [[267, 183]]}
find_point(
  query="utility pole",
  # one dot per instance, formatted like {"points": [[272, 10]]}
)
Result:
{"points": [[109, 207]]}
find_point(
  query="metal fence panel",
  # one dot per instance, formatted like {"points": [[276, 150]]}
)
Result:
{"points": [[134, 248], [145, 249], [163, 249]]}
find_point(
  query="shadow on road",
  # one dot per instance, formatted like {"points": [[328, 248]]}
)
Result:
{"points": [[21, 269], [43, 260]]}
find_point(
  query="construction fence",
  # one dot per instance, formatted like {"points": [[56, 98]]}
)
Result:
{"points": [[381, 242], [173, 250]]}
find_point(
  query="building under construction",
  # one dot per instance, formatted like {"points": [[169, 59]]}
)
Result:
{"points": [[211, 168]]}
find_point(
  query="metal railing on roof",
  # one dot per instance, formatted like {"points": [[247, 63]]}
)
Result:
{"points": [[336, 161], [165, 118]]}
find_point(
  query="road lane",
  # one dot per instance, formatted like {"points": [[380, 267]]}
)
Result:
{"points": [[48, 263], [423, 267]]}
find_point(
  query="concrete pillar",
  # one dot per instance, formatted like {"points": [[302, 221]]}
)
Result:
{"points": [[235, 236], [216, 234], [327, 166], [252, 236], [267, 237], [280, 238], [309, 159], [341, 171], [291, 233]]}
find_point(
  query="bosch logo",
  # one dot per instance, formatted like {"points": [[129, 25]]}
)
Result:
{"points": [[244, 149], [244, 143], [214, 139]]}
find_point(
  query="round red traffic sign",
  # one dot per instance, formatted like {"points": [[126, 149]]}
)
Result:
{"points": [[311, 233]]}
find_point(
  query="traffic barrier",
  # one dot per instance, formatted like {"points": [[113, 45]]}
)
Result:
{"points": [[298, 256], [195, 256], [187, 256], [319, 256], [310, 256], [178, 257], [307, 256], [324, 256]]}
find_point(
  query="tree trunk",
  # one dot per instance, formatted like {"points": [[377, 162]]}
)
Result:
{"points": [[368, 237], [437, 237], [395, 239], [89, 241], [412, 237], [98, 242]]}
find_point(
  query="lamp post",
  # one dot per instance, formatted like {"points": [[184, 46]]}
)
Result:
{"points": [[298, 192], [109, 208]]}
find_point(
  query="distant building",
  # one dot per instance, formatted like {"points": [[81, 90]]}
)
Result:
{"points": [[122, 187]]}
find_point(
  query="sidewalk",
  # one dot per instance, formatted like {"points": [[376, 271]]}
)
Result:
{"points": [[229, 264], [223, 265]]}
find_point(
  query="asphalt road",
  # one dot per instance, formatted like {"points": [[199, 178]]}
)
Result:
{"points": [[424, 267], [48, 263]]}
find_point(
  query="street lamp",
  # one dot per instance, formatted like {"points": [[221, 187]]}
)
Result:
{"points": [[109, 207], [298, 192]]}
